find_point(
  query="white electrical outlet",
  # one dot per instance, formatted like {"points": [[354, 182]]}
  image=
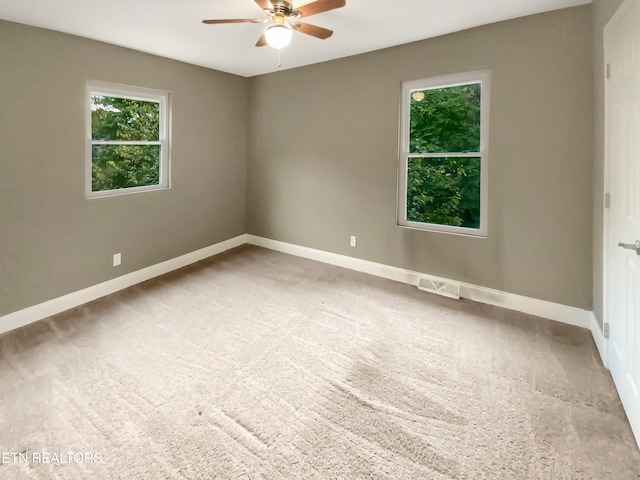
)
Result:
{"points": [[354, 241], [117, 259]]}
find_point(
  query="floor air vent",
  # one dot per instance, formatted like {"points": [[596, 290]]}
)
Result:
{"points": [[451, 290]]}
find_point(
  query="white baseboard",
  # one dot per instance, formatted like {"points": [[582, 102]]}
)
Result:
{"points": [[542, 308], [598, 337], [57, 305]]}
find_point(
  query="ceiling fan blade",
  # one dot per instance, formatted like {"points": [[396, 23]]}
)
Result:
{"points": [[262, 41], [264, 4], [318, 32], [320, 6], [233, 20]]}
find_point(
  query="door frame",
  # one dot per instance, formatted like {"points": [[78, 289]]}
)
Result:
{"points": [[613, 21], [620, 14]]}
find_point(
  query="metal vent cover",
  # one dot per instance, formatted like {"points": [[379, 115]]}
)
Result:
{"points": [[446, 289]]}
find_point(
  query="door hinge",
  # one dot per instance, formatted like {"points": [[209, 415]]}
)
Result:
{"points": [[608, 70], [605, 330], [607, 200]]}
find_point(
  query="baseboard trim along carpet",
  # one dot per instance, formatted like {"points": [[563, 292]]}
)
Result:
{"points": [[57, 305], [542, 308]]}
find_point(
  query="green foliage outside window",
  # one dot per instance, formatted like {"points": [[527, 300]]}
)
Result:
{"points": [[124, 165], [445, 190]]}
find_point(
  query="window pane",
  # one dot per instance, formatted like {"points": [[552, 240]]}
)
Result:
{"points": [[445, 120], [114, 118], [444, 191], [124, 166]]}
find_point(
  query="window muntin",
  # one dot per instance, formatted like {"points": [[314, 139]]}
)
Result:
{"points": [[443, 154], [127, 140]]}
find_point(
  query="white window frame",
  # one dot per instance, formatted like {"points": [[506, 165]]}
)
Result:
{"points": [[483, 77], [134, 93]]}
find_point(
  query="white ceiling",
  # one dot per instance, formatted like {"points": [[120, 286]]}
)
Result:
{"points": [[173, 28]]}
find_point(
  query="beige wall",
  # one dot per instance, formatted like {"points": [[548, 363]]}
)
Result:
{"points": [[603, 10], [52, 239], [323, 152]]}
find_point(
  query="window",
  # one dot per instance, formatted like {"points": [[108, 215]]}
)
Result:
{"points": [[443, 153], [127, 139]]}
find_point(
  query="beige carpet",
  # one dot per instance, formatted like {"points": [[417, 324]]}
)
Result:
{"points": [[259, 365]]}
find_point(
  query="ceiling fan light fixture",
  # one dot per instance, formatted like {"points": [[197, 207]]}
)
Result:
{"points": [[278, 35]]}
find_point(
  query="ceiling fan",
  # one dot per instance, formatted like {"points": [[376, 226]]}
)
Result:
{"points": [[283, 20]]}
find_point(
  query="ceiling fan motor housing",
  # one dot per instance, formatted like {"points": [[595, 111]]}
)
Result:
{"points": [[281, 6]]}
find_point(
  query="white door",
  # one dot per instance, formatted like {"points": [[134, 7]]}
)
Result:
{"points": [[622, 54]]}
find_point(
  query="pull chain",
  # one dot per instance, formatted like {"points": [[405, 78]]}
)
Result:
{"points": [[279, 58]]}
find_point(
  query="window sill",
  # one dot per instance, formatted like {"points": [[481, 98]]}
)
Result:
{"points": [[125, 191], [433, 228]]}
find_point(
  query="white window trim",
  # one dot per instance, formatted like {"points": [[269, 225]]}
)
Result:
{"points": [[478, 76], [135, 93]]}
